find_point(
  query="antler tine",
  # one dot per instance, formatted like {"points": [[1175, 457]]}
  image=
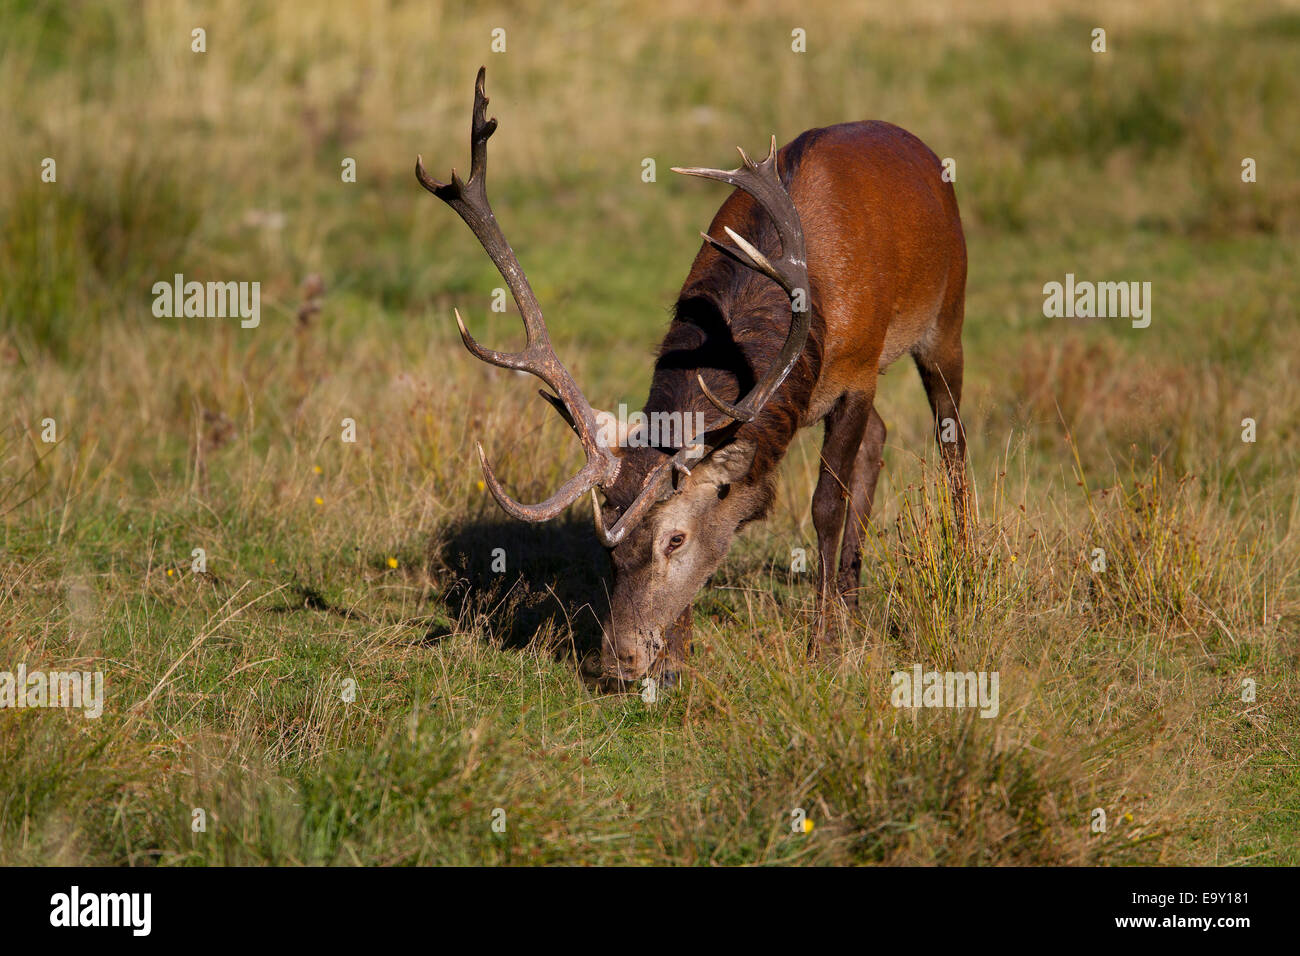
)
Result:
{"points": [[481, 131], [763, 182], [629, 519], [647, 496], [585, 480], [469, 199], [759, 180]]}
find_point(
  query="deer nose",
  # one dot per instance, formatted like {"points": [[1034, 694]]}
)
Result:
{"points": [[626, 663]]}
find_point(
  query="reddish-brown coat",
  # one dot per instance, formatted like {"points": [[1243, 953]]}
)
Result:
{"points": [[886, 254]]}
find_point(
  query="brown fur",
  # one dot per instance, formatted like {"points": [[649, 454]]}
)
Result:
{"points": [[887, 269]]}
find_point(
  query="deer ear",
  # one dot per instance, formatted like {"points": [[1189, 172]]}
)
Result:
{"points": [[729, 463], [607, 432], [610, 432], [617, 435]]}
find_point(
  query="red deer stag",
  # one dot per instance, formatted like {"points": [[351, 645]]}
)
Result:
{"points": [[846, 252]]}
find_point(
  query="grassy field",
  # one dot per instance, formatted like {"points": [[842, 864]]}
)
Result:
{"points": [[370, 562]]}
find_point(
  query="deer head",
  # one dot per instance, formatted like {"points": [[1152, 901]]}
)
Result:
{"points": [[669, 516]]}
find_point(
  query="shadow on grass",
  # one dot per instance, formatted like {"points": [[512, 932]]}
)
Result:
{"points": [[523, 583]]}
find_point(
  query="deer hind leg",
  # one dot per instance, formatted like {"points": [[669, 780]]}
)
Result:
{"points": [[846, 426], [941, 371], [866, 470]]}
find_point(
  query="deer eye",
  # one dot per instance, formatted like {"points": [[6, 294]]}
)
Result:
{"points": [[675, 542]]}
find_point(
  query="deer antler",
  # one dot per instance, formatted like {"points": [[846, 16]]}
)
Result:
{"points": [[469, 200], [762, 181], [790, 271]]}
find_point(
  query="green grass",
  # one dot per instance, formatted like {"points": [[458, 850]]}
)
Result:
{"points": [[371, 562]]}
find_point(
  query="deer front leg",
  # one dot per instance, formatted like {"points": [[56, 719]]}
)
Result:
{"points": [[846, 426], [865, 473], [680, 633]]}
